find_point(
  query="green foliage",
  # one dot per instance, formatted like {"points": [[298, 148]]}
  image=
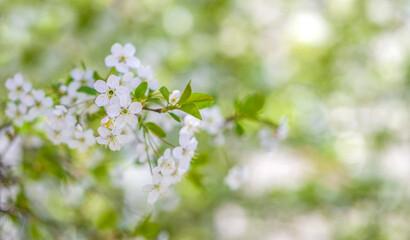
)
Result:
{"points": [[155, 129], [165, 93], [202, 100], [174, 116], [87, 90], [140, 91], [191, 109], [185, 94]]}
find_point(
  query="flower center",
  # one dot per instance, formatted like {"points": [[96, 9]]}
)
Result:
{"points": [[122, 59], [110, 93]]}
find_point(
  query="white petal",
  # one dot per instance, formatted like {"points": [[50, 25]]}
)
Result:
{"points": [[113, 110], [111, 61], [153, 196], [177, 152], [104, 132], [76, 74], [101, 86], [129, 49], [153, 84], [10, 84], [101, 100], [122, 90], [27, 100], [125, 100], [121, 67], [120, 121], [113, 81], [135, 107], [114, 146], [132, 120], [19, 79], [132, 62], [123, 139], [13, 95], [26, 87], [147, 187], [184, 163], [117, 49], [184, 140]]}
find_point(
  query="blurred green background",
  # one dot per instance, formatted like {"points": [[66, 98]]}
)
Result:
{"points": [[338, 69]]}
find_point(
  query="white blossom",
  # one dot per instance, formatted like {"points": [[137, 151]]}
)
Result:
{"points": [[190, 125], [166, 164], [145, 74], [82, 140], [270, 138], [40, 106], [186, 151], [83, 77], [108, 90], [17, 113], [122, 58], [59, 118], [156, 189], [174, 97], [18, 88], [125, 112], [212, 120], [114, 138], [236, 177], [73, 97]]}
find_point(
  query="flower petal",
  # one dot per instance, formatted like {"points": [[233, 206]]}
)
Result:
{"points": [[117, 49], [129, 49], [153, 196], [135, 107], [120, 121], [101, 86], [113, 81], [132, 62], [177, 152], [111, 61], [101, 100], [113, 110]]}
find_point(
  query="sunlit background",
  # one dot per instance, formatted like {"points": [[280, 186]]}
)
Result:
{"points": [[338, 69]]}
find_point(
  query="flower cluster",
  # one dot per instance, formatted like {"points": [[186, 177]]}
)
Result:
{"points": [[173, 165], [25, 102], [129, 112]]}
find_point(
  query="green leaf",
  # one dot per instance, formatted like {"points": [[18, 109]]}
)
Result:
{"points": [[239, 129], [153, 100], [191, 109], [147, 228], [97, 76], [185, 94], [87, 90], [174, 116], [83, 65], [155, 129], [202, 100], [165, 93], [253, 104], [140, 91]]}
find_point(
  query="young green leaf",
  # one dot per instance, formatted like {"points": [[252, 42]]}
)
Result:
{"points": [[202, 100], [174, 116], [140, 91], [153, 100], [87, 90], [155, 129], [165, 93], [253, 104], [83, 65], [97, 76], [239, 129], [185, 94], [191, 109]]}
